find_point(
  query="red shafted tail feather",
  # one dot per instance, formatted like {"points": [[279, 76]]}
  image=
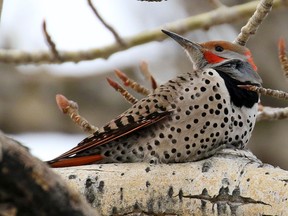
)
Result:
{"points": [[75, 161]]}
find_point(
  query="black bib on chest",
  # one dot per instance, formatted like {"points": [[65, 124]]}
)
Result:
{"points": [[239, 97]]}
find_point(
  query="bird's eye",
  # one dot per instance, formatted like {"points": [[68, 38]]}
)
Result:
{"points": [[219, 48]]}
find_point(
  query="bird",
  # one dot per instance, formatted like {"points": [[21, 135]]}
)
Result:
{"points": [[188, 118]]}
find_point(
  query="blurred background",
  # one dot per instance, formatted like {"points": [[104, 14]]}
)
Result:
{"points": [[28, 111]]}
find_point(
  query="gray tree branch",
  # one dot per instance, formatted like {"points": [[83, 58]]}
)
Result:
{"points": [[233, 182]]}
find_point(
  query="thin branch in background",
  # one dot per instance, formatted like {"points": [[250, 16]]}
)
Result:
{"points": [[272, 113], [132, 84], [71, 108], [130, 98], [264, 91], [109, 27], [50, 42], [262, 10], [283, 56], [217, 3], [1, 6], [145, 70], [204, 20], [152, 0]]}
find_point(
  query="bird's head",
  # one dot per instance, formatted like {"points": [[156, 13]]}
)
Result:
{"points": [[234, 59]]}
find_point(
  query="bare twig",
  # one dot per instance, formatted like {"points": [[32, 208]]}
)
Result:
{"points": [[264, 91], [1, 6], [132, 84], [50, 42], [283, 56], [152, 0], [130, 98], [272, 113], [145, 70], [217, 3], [109, 27], [254, 22], [205, 20], [71, 108]]}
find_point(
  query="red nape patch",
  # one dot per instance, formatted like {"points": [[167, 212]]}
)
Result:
{"points": [[212, 58], [250, 60]]}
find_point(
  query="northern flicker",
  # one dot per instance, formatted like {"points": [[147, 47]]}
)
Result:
{"points": [[189, 118]]}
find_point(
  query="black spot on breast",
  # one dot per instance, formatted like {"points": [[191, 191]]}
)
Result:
{"points": [[156, 142], [217, 96], [202, 89]]}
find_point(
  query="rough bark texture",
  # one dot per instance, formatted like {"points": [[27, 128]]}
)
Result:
{"points": [[230, 183], [30, 187]]}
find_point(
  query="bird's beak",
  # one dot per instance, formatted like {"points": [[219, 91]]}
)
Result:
{"points": [[193, 50]]}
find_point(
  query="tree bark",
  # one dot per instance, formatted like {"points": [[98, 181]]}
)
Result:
{"points": [[233, 182], [30, 187]]}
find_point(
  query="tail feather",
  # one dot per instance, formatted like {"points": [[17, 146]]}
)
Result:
{"points": [[75, 161]]}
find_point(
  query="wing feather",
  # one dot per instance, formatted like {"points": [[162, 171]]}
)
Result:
{"points": [[107, 136]]}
